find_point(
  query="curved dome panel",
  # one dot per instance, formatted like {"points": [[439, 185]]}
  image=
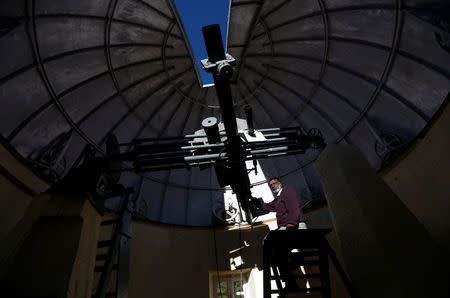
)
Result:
{"points": [[367, 73]]}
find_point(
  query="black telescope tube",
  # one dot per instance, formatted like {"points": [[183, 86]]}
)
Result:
{"points": [[213, 42], [239, 181]]}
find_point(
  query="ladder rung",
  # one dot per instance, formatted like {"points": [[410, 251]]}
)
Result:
{"points": [[315, 289], [309, 263], [305, 262], [306, 253], [104, 243], [298, 276], [308, 275], [110, 222]]}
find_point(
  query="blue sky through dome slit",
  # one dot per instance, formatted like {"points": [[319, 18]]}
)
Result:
{"points": [[196, 14]]}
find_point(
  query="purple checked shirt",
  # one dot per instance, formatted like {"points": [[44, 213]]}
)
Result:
{"points": [[287, 208]]}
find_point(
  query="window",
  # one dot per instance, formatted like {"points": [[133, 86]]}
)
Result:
{"points": [[232, 284]]}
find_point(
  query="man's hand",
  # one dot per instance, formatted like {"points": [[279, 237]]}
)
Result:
{"points": [[255, 202], [256, 207]]}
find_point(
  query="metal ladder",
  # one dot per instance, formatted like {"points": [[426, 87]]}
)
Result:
{"points": [[283, 254], [116, 257]]}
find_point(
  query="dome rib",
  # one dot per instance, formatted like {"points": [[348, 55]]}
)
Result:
{"points": [[142, 100], [257, 99], [268, 32], [321, 85], [248, 37], [180, 131], [356, 75], [160, 12], [80, 84], [275, 8], [329, 11], [386, 70], [371, 44], [264, 77], [34, 43], [358, 70], [107, 46], [101, 18], [303, 98], [156, 111], [345, 99]]}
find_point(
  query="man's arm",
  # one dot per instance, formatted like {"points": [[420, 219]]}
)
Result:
{"points": [[259, 203], [256, 208], [268, 206], [293, 208]]}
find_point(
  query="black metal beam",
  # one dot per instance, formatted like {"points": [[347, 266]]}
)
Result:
{"points": [[239, 181]]}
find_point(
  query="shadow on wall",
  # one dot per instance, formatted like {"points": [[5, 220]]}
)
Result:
{"points": [[161, 252]]}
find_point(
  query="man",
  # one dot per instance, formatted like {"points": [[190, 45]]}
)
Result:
{"points": [[289, 217], [286, 205]]}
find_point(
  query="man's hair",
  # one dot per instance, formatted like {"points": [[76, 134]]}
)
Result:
{"points": [[274, 178]]}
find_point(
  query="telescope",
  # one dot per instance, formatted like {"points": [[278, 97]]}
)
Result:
{"points": [[227, 151]]}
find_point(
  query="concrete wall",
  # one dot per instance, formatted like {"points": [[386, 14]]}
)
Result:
{"points": [[377, 231], [175, 261], [20, 202], [57, 256], [18, 185], [48, 241], [420, 178]]}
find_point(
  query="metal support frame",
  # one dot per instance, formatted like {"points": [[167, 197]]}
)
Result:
{"points": [[310, 242], [119, 246], [227, 156]]}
